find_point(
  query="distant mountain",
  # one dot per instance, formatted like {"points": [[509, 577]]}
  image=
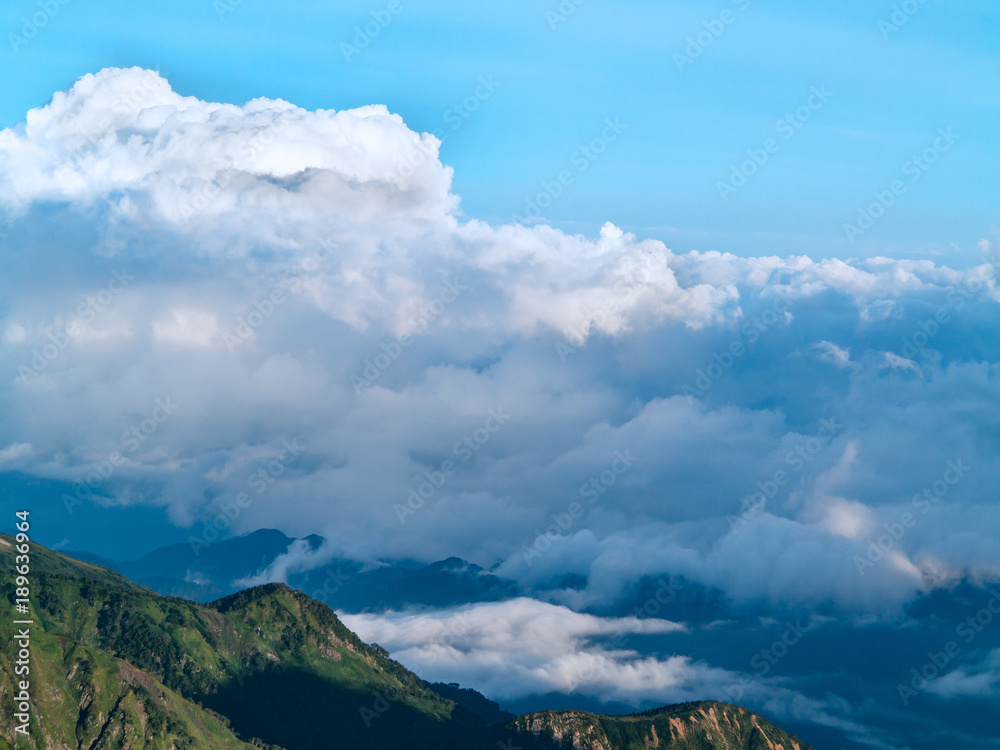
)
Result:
{"points": [[214, 565], [215, 570], [115, 666], [344, 585]]}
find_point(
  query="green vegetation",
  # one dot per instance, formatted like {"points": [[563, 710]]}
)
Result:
{"points": [[117, 666]]}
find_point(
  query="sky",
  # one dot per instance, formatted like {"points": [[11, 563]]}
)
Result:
{"points": [[560, 74], [564, 293]]}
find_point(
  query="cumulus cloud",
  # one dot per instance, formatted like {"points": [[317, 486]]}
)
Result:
{"points": [[286, 275]]}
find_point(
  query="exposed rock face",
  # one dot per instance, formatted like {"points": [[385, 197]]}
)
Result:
{"points": [[689, 726]]}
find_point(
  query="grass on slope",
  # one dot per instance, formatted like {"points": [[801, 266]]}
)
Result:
{"points": [[277, 664]]}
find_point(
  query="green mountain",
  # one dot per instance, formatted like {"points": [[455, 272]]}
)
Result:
{"points": [[115, 665]]}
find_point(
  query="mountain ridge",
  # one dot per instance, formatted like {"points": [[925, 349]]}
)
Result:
{"points": [[124, 667], [206, 572]]}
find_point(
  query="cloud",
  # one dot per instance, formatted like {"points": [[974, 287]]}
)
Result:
{"points": [[283, 274], [300, 556], [513, 649], [15, 453], [894, 361], [835, 355], [981, 680]]}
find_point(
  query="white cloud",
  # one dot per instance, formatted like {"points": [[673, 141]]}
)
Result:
{"points": [[308, 236], [835, 355], [300, 556], [14, 453], [514, 648], [895, 362], [186, 327], [14, 334]]}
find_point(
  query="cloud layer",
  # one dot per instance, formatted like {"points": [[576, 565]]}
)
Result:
{"points": [[515, 648], [280, 318], [524, 647]]}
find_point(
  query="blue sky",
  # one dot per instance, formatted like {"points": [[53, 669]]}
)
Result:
{"points": [[687, 125]]}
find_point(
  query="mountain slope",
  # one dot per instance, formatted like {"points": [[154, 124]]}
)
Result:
{"points": [[82, 696], [706, 725], [277, 664], [117, 666]]}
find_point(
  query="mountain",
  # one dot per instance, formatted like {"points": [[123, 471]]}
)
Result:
{"points": [[115, 665], [82, 695], [205, 572], [688, 726], [474, 702]]}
